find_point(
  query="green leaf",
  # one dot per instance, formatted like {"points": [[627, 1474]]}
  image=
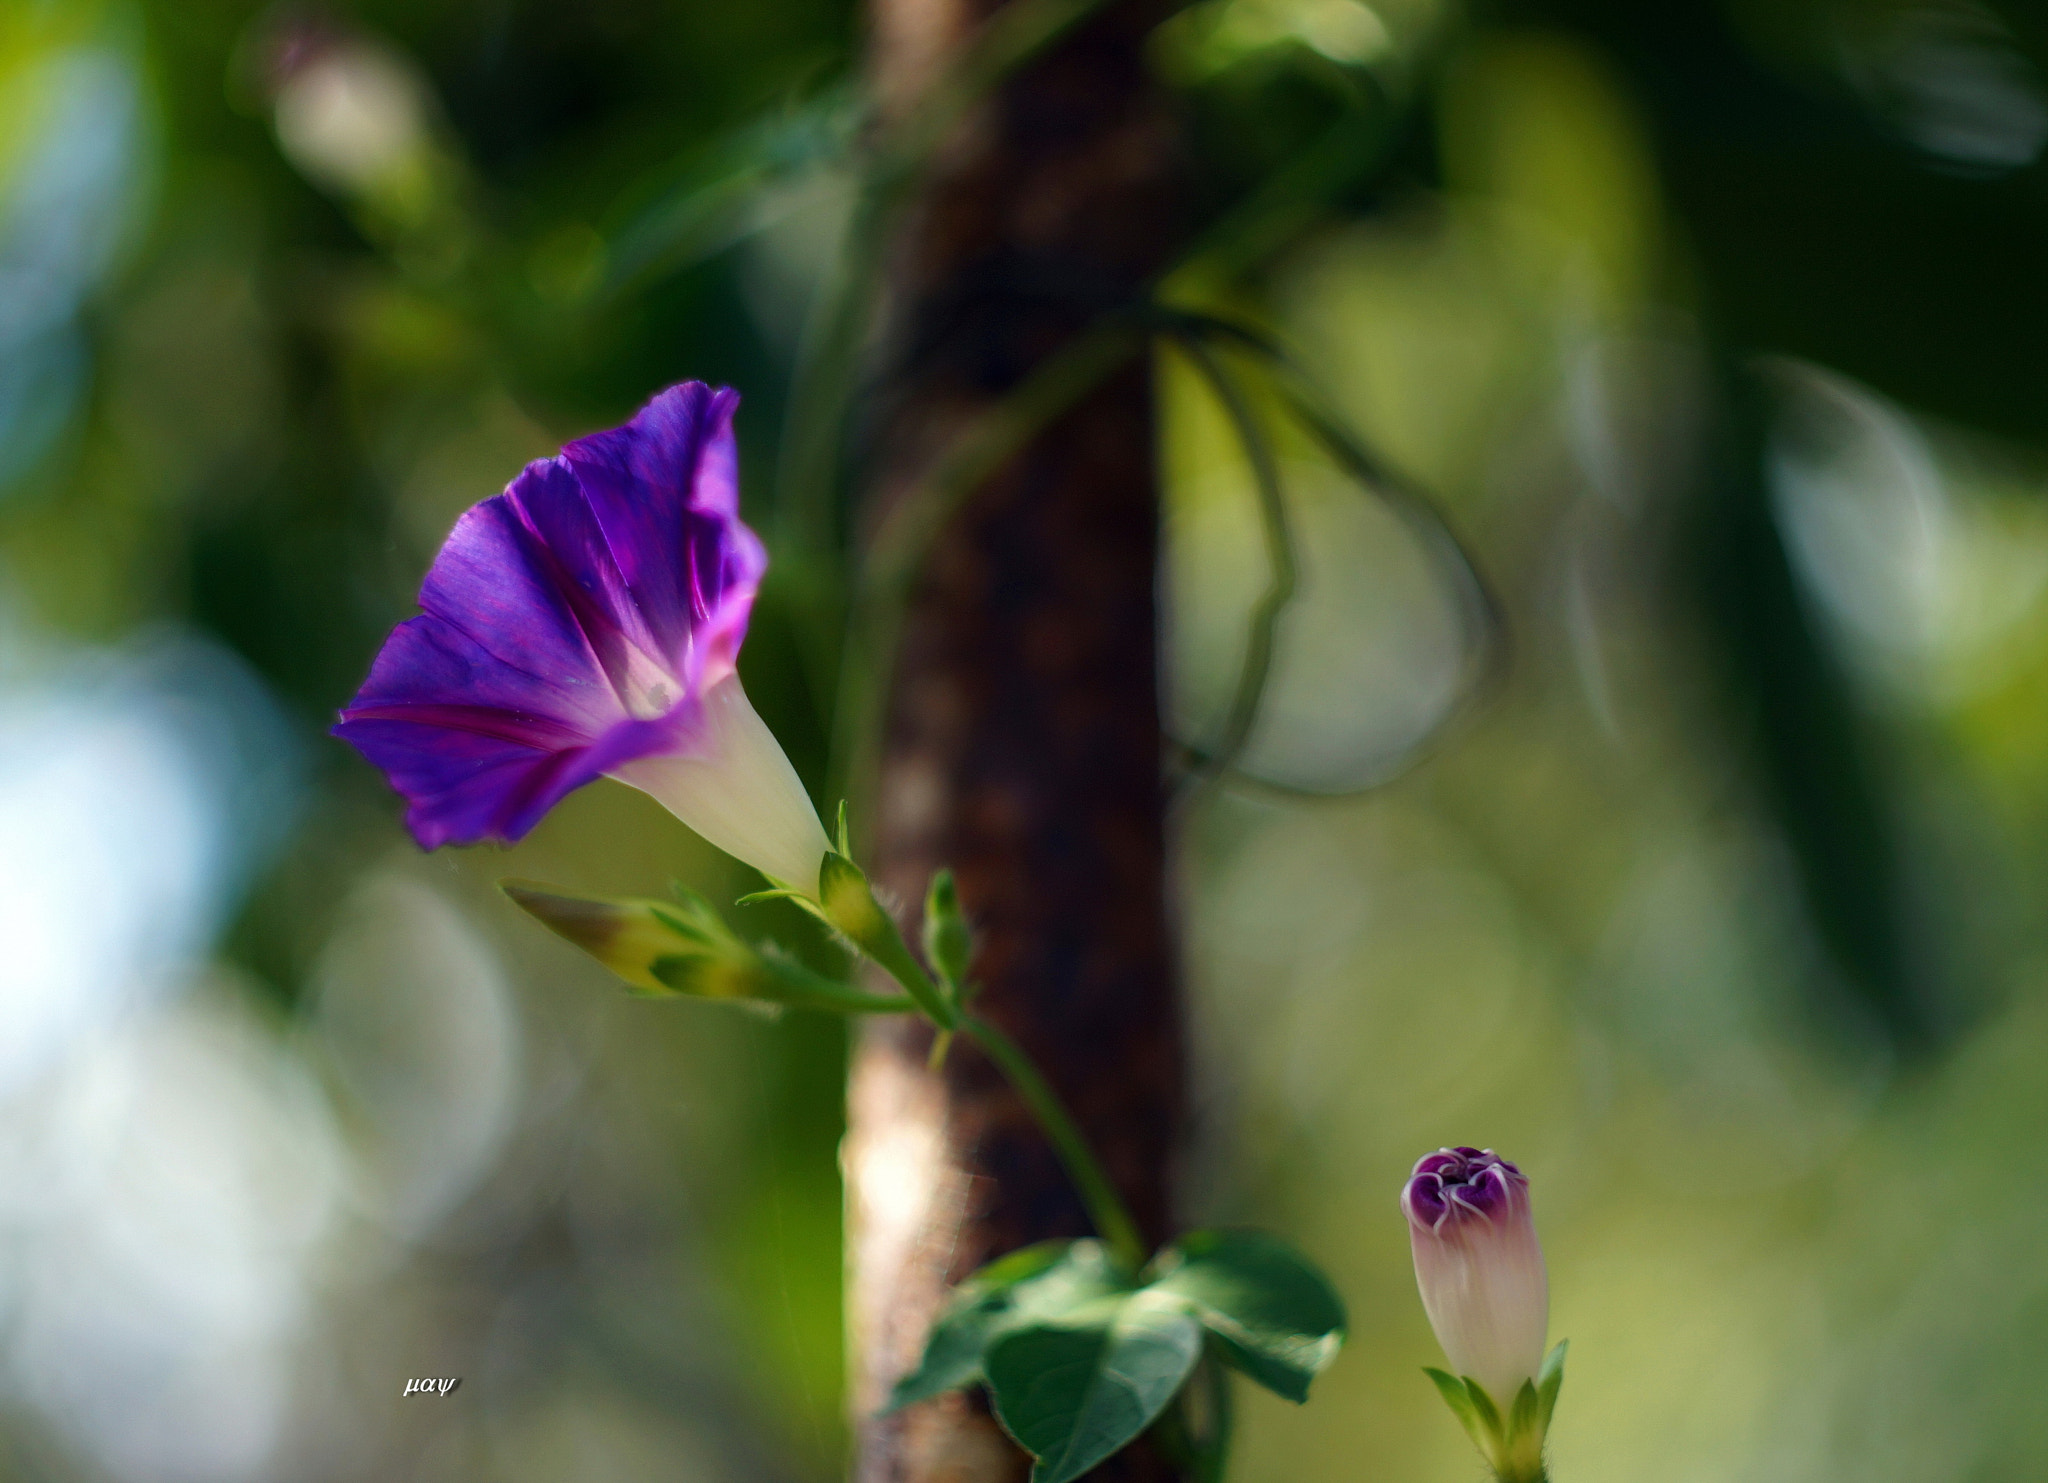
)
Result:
{"points": [[1074, 1392], [1274, 1315], [1040, 1282], [948, 942]]}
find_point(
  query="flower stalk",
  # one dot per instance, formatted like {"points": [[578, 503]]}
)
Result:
{"points": [[1106, 1209], [848, 903]]}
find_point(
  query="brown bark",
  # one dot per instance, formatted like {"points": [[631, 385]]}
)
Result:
{"points": [[1021, 742]]}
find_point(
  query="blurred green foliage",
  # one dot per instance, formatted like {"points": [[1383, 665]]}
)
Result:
{"points": [[1712, 330]]}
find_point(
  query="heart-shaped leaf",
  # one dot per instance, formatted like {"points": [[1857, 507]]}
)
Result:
{"points": [[1274, 1315], [1075, 1391], [1041, 1282]]}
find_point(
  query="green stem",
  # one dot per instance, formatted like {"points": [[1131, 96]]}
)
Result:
{"points": [[811, 992], [1173, 1435], [1105, 1207], [852, 908], [1222, 1420], [894, 955], [1201, 1451]]}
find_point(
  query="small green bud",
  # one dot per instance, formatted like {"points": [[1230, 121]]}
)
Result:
{"points": [[684, 947], [656, 946], [948, 941]]}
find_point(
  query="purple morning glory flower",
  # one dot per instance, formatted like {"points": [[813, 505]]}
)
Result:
{"points": [[1479, 1266], [587, 623]]}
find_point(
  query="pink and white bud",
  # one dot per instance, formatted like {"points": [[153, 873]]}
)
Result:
{"points": [[1479, 1266]]}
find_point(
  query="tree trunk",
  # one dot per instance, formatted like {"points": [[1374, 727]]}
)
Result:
{"points": [[1021, 743]]}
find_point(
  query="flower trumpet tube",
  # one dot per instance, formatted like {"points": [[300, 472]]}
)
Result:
{"points": [[1483, 1283], [585, 623]]}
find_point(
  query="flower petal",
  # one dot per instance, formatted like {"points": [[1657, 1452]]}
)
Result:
{"points": [[665, 490], [549, 502], [480, 749], [495, 583]]}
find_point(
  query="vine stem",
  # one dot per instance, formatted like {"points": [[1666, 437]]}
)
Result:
{"points": [[1280, 559], [805, 990], [1106, 1208]]}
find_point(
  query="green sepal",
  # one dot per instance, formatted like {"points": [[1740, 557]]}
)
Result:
{"points": [[1523, 1415], [1522, 1447], [779, 891], [1484, 1408], [850, 906], [842, 839], [1452, 1389], [1045, 1281], [948, 941], [1512, 1444], [1549, 1382], [773, 893], [1274, 1316]]}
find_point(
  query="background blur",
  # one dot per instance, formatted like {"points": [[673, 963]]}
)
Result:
{"points": [[1716, 332]]}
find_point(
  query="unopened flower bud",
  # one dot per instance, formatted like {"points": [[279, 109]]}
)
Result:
{"points": [[666, 948], [658, 947], [1479, 1266]]}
